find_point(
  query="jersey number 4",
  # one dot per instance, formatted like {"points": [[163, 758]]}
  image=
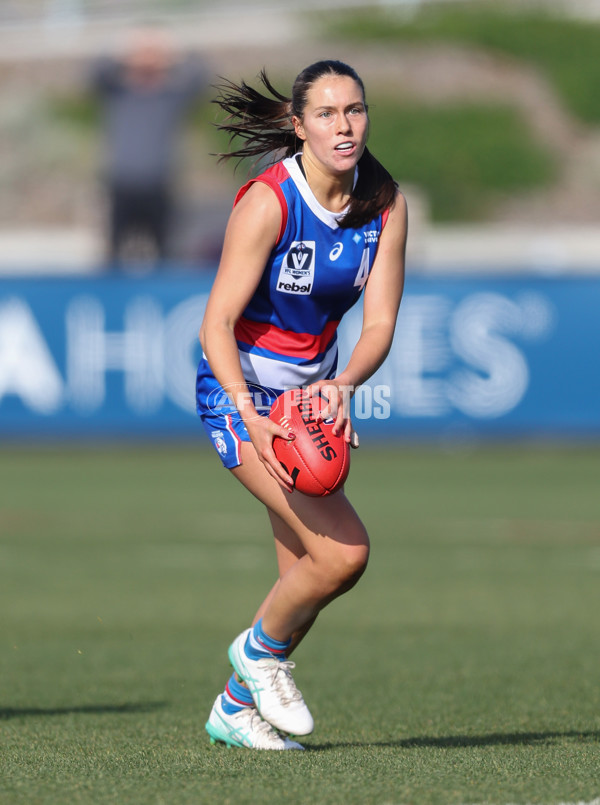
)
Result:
{"points": [[363, 270]]}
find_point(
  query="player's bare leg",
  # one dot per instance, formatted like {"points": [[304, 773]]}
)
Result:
{"points": [[327, 529], [322, 550], [289, 550]]}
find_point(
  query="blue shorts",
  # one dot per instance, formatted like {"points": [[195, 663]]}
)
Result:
{"points": [[220, 417]]}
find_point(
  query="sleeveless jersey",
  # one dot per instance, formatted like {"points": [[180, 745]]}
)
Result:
{"points": [[286, 336]]}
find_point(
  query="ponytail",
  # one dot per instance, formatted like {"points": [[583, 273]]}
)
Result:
{"points": [[263, 122], [374, 192]]}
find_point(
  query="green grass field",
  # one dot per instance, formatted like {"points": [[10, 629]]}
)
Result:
{"points": [[464, 668]]}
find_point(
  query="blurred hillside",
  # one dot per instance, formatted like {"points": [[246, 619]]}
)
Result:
{"points": [[498, 165]]}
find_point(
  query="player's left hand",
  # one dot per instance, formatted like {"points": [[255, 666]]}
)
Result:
{"points": [[338, 396]]}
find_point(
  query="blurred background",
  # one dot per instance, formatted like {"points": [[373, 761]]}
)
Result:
{"points": [[113, 207], [126, 556]]}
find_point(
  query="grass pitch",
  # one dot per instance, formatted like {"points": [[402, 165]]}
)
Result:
{"points": [[462, 669]]}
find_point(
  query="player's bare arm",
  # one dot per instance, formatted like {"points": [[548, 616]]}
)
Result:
{"points": [[382, 297], [251, 234]]}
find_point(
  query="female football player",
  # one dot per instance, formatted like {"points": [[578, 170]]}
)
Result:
{"points": [[304, 239]]}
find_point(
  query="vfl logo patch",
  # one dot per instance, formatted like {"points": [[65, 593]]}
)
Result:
{"points": [[297, 271]]}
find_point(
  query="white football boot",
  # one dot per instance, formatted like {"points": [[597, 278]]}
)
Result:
{"points": [[273, 689], [245, 729]]}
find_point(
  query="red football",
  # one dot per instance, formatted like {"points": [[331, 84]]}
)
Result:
{"points": [[317, 460]]}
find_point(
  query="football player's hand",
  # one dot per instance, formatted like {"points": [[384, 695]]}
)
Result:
{"points": [[262, 431], [338, 397]]}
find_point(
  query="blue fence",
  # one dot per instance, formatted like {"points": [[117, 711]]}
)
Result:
{"points": [[473, 357]]}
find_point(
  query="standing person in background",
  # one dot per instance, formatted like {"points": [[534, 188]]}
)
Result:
{"points": [[144, 96], [304, 238]]}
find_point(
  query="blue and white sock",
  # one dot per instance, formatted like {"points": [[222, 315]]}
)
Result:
{"points": [[235, 697], [259, 644]]}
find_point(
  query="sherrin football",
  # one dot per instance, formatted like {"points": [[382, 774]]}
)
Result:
{"points": [[317, 460]]}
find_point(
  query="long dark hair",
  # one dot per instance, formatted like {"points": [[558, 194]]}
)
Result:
{"points": [[264, 124]]}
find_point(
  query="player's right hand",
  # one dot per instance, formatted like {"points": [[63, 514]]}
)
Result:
{"points": [[262, 430]]}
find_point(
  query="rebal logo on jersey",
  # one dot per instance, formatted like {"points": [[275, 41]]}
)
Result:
{"points": [[297, 271]]}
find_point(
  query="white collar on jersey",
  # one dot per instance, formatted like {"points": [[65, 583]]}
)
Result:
{"points": [[330, 218]]}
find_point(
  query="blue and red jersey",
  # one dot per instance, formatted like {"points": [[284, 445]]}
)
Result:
{"points": [[287, 334]]}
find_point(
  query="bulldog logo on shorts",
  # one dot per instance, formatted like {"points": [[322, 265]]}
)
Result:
{"points": [[220, 443]]}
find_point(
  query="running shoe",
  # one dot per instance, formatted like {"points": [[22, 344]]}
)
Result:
{"points": [[245, 729], [273, 689]]}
